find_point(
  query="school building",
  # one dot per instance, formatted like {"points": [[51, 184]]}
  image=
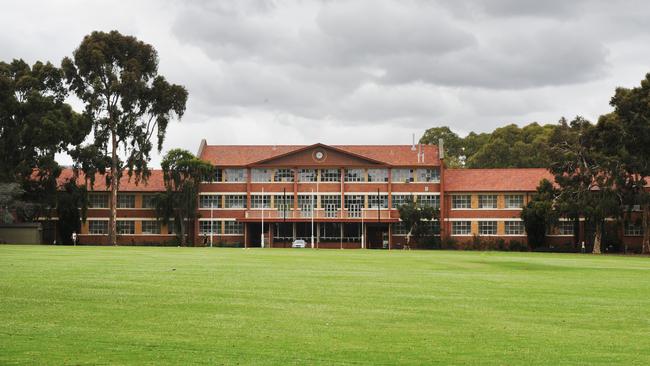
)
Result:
{"points": [[336, 196]]}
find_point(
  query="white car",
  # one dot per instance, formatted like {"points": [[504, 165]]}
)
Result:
{"points": [[299, 243]]}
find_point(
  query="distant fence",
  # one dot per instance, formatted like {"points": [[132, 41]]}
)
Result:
{"points": [[27, 233]]}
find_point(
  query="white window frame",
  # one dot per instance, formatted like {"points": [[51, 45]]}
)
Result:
{"points": [[488, 201], [461, 228], [466, 199]]}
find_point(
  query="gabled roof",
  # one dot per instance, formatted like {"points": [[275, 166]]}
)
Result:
{"points": [[155, 183], [494, 180], [243, 155]]}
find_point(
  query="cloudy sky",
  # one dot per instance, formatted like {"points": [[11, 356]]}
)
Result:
{"points": [[359, 72]]}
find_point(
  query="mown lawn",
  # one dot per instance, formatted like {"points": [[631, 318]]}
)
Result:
{"points": [[131, 305]]}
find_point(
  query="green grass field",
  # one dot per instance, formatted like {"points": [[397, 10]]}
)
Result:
{"points": [[135, 305]]}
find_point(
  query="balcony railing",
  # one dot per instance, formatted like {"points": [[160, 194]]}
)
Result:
{"points": [[368, 214]]}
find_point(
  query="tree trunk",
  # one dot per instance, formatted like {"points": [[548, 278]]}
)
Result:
{"points": [[598, 238], [646, 229], [115, 181], [182, 227]]}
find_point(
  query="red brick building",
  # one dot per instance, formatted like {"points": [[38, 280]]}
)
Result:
{"points": [[342, 196]]}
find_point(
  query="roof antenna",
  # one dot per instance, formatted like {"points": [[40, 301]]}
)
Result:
{"points": [[413, 144]]}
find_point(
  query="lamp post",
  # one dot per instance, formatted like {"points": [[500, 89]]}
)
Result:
{"points": [[262, 234], [211, 222], [312, 218]]}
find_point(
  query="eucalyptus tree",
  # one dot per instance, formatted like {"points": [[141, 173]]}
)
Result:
{"points": [[417, 219], [128, 102]]}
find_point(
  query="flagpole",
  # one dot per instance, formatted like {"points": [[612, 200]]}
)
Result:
{"points": [[211, 221], [312, 218], [263, 204]]}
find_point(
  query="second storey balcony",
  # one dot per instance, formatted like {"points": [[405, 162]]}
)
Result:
{"points": [[371, 214]]}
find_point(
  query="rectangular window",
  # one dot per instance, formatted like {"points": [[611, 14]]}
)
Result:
{"points": [[565, 228], [283, 175], [261, 175], [514, 200], [400, 199], [487, 227], [435, 226], [208, 227], [375, 201], [126, 227], [307, 175], [377, 175], [305, 202], [330, 231], [633, 229], [148, 201], [330, 175], [354, 203], [355, 175], [461, 227], [235, 201], [125, 200], [400, 229], [428, 175], [284, 202], [151, 227], [234, 175], [333, 200], [218, 175], [402, 175], [260, 201], [514, 227], [487, 201], [210, 201], [98, 227], [461, 201], [233, 228], [430, 200], [98, 200]]}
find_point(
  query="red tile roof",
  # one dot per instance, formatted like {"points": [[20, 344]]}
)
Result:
{"points": [[155, 183], [241, 155], [494, 180]]}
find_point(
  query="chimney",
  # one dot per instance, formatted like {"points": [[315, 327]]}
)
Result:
{"points": [[413, 144], [419, 153], [441, 149]]}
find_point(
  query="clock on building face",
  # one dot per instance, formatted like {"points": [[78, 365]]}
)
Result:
{"points": [[319, 155]]}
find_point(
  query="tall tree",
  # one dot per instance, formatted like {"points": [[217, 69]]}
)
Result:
{"points": [[116, 76], [35, 125], [626, 135], [183, 173], [71, 208], [538, 215], [577, 163], [453, 144]]}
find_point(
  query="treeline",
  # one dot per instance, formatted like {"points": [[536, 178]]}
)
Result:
{"points": [[510, 146], [600, 170]]}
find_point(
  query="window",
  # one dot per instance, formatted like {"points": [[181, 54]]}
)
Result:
{"points": [[633, 229], [400, 199], [284, 202], [171, 228], [151, 227], [233, 228], [210, 201], [261, 175], [126, 227], [430, 200], [514, 200], [487, 227], [514, 227], [235, 175], [260, 201], [461, 201], [565, 228], [354, 175], [487, 201], [283, 175], [461, 227], [331, 203], [218, 175], [330, 231], [98, 200], [435, 226], [307, 175], [375, 201], [402, 175], [428, 175], [235, 201], [377, 175], [125, 201], [148, 201], [400, 229], [305, 204], [330, 175], [98, 227], [208, 227], [354, 204]]}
